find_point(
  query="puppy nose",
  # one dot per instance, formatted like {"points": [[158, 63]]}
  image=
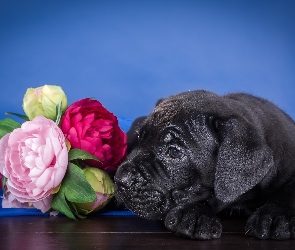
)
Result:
{"points": [[124, 174]]}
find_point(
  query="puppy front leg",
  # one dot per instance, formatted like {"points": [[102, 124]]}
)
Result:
{"points": [[194, 221]]}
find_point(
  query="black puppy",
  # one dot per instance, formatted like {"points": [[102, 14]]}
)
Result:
{"points": [[200, 153]]}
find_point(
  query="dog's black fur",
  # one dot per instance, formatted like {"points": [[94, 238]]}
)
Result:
{"points": [[199, 153]]}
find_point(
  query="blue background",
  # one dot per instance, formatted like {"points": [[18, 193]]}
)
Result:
{"points": [[128, 54]]}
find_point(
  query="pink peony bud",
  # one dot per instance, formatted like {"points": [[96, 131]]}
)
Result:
{"points": [[103, 187]]}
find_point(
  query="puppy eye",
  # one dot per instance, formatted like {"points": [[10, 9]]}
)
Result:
{"points": [[174, 152]]}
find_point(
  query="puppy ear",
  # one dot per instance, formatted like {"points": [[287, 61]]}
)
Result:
{"points": [[243, 160]]}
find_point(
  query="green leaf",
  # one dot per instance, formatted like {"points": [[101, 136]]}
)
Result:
{"points": [[77, 212], [60, 204], [58, 112], [24, 117], [77, 188], [78, 154], [74, 188], [8, 125]]}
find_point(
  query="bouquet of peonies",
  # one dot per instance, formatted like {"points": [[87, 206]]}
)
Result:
{"points": [[58, 160]]}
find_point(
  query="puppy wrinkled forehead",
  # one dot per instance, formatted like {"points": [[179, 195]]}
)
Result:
{"points": [[165, 111]]}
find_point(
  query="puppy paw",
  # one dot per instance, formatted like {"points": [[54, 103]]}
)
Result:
{"points": [[193, 223], [271, 222]]}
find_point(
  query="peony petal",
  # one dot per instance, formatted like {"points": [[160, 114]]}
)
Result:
{"points": [[73, 138], [100, 199], [39, 163], [29, 161], [102, 122], [76, 118], [47, 151], [105, 129], [62, 159], [96, 141], [79, 130], [14, 155], [57, 177], [11, 202], [36, 192], [99, 154], [36, 143], [87, 119], [16, 136], [86, 124], [21, 194], [3, 149], [87, 146], [44, 204], [44, 178], [30, 127], [65, 123], [35, 172]]}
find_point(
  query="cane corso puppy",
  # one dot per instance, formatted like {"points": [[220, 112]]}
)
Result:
{"points": [[199, 153]]}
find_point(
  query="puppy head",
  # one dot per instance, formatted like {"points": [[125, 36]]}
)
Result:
{"points": [[173, 162], [191, 148]]}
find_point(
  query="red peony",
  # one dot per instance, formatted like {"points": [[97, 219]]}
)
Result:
{"points": [[89, 126]]}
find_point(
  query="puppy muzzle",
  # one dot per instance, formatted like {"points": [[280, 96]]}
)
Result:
{"points": [[135, 186]]}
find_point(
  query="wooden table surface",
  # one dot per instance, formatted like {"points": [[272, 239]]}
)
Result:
{"points": [[118, 232]]}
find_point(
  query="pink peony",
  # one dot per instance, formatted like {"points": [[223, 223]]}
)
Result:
{"points": [[89, 126], [34, 159]]}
